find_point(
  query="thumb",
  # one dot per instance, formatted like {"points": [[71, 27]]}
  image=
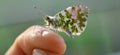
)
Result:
{"points": [[39, 52]]}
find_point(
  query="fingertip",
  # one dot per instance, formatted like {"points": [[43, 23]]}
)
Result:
{"points": [[37, 37], [54, 42]]}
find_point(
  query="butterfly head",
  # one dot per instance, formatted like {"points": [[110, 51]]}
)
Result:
{"points": [[50, 21]]}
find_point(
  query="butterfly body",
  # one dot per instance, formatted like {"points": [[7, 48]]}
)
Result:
{"points": [[72, 20]]}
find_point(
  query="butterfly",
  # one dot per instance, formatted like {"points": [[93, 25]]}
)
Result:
{"points": [[72, 20]]}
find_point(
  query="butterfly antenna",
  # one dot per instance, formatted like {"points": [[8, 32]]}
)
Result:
{"points": [[40, 11]]}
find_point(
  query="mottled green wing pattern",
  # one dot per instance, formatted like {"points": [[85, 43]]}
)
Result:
{"points": [[72, 20]]}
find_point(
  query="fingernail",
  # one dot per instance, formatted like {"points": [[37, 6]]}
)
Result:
{"points": [[38, 52]]}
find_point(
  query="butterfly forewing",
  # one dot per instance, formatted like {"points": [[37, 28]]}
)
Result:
{"points": [[72, 20]]}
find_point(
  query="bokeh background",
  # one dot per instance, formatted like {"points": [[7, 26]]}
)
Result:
{"points": [[101, 37]]}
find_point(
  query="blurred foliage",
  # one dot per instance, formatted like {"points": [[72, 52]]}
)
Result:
{"points": [[101, 36]]}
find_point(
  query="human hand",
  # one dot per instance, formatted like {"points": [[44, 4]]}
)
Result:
{"points": [[37, 40]]}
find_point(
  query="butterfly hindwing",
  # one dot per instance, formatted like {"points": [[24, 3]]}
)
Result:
{"points": [[72, 20]]}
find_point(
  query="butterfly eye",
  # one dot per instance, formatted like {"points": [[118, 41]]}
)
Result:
{"points": [[46, 18]]}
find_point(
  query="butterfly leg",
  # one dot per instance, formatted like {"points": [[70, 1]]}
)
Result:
{"points": [[69, 33]]}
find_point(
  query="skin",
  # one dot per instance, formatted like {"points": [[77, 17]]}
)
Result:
{"points": [[49, 43]]}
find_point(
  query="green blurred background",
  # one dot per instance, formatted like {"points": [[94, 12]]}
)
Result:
{"points": [[101, 37]]}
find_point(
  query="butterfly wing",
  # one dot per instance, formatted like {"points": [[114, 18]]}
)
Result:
{"points": [[72, 20]]}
